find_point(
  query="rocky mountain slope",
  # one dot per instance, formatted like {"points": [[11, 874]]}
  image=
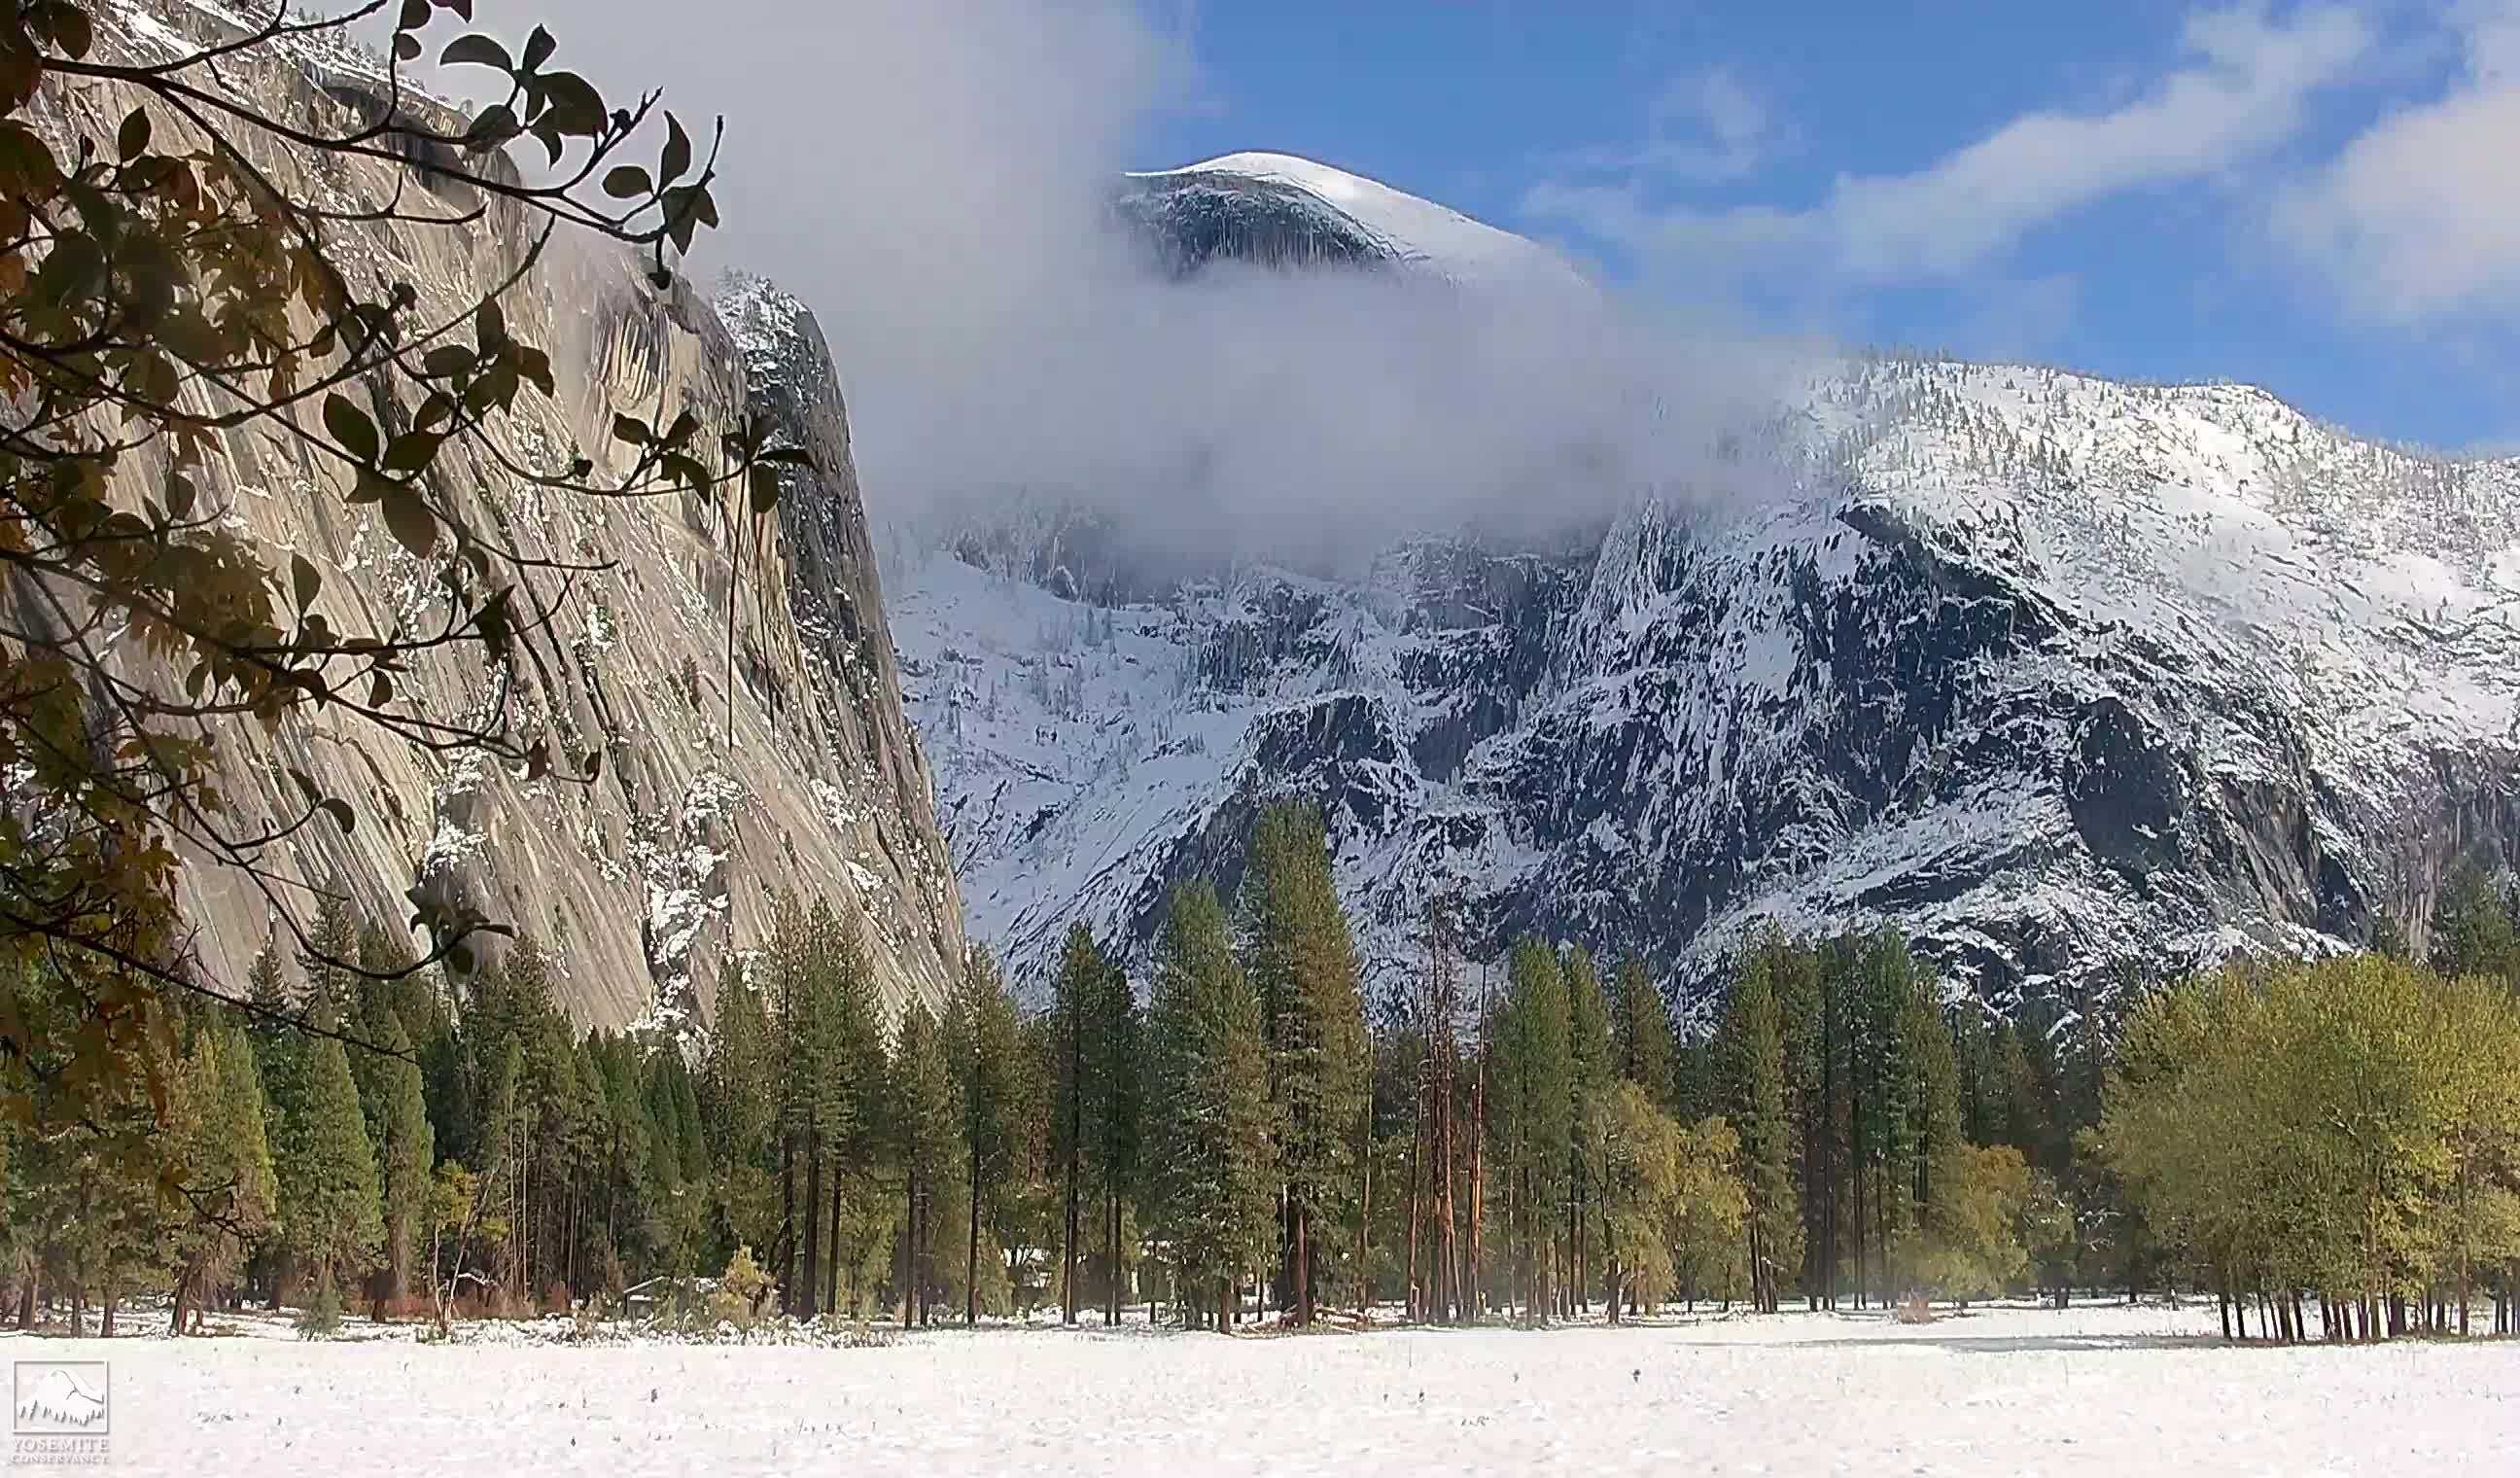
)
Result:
{"points": [[805, 777], [2052, 673]]}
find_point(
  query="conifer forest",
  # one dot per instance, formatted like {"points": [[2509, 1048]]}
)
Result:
{"points": [[744, 743], [1242, 1135]]}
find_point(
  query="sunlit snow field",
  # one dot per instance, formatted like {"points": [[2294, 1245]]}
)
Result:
{"points": [[2099, 1389]]}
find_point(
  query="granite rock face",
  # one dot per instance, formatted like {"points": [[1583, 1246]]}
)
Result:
{"points": [[731, 770]]}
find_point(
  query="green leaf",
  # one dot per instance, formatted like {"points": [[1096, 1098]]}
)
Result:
{"points": [[415, 15], [495, 125], [71, 32], [132, 140], [765, 489], [405, 48], [339, 810], [678, 151], [631, 430], [490, 326], [477, 50], [627, 182], [179, 495], [412, 450], [306, 783], [538, 49], [373, 487], [305, 580], [576, 107], [351, 428], [445, 361], [410, 521]]}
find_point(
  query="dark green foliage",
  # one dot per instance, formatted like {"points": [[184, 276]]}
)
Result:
{"points": [[1530, 1111], [1752, 1065], [1210, 1164], [2476, 927], [1640, 1032], [984, 1047], [329, 1201], [1301, 961]]}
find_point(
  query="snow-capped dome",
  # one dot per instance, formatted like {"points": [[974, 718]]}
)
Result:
{"points": [[1406, 227]]}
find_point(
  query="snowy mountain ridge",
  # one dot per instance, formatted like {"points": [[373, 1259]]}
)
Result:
{"points": [[2053, 672], [2060, 676]]}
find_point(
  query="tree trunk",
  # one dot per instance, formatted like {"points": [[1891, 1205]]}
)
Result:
{"points": [[1075, 1141], [1302, 1266], [972, 1249], [1473, 1295], [1112, 1246], [813, 1286], [787, 1223], [1365, 1225], [831, 1262]]}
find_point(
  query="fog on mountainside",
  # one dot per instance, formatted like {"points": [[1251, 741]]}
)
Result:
{"points": [[937, 182]]}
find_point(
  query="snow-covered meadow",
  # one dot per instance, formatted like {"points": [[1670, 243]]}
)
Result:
{"points": [[2099, 1389]]}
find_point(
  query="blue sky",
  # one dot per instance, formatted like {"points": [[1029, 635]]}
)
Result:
{"points": [[2322, 198]]}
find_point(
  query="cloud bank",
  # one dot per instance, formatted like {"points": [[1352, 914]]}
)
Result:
{"points": [[932, 177]]}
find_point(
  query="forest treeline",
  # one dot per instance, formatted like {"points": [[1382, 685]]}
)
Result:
{"points": [[2331, 1148]]}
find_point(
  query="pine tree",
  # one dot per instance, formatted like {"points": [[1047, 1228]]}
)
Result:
{"points": [[984, 1044], [1529, 1111], [1301, 961], [1115, 1111], [329, 1196], [225, 1155], [1641, 1023], [1589, 1074], [1074, 997], [1751, 1064], [1210, 1163], [739, 1106], [927, 1126], [393, 1099], [405, 1150], [2474, 929]]}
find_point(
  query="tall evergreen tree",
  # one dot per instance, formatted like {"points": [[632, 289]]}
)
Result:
{"points": [[928, 1128], [2476, 927], [1529, 1114], [1115, 1111], [984, 1044], [739, 1112], [1303, 965], [1590, 1071], [225, 1153], [1751, 1063], [1210, 1162], [328, 1197], [405, 1147], [1641, 1028], [1075, 993]]}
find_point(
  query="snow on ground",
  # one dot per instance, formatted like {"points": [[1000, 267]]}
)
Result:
{"points": [[2098, 1389]]}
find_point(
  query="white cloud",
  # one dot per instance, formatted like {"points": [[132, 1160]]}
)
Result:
{"points": [[1705, 128], [2243, 90], [2415, 221]]}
